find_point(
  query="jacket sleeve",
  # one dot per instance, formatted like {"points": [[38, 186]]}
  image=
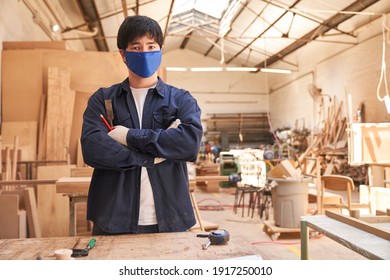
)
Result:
{"points": [[100, 150], [181, 143]]}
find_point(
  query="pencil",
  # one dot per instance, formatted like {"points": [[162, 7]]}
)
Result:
{"points": [[106, 123]]}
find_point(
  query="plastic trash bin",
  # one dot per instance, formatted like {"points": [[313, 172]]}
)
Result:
{"points": [[290, 201]]}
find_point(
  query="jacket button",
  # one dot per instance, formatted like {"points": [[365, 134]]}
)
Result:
{"points": [[145, 161]]}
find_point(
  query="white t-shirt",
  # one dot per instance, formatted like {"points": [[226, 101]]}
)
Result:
{"points": [[147, 210]]}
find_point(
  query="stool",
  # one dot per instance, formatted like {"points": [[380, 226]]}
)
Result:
{"points": [[239, 197]]}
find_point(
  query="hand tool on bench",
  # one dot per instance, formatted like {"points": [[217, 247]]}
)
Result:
{"points": [[215, 237], [233, 178], [84, 252]]}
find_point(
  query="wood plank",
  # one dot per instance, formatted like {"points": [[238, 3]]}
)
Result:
{"points": [[28, 45], [27, 133], [53, 208], [81, 172], [12, 220], [70, 185], [34, 229], [14, 163], [385, 234], [164, 246], [59, 108], [81, 101], [23, 106]]}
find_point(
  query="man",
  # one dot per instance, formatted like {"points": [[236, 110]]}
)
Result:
{"points": [[140, 179]]}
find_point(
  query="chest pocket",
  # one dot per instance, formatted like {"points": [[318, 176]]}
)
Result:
{"points": [[162, 119]]}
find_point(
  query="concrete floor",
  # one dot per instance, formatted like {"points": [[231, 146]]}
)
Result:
{"points": [[217, 209]]}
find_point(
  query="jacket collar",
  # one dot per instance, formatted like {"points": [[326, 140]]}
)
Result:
{"points": [[159, 89]]}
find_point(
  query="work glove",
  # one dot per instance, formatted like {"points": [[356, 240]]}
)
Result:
{"points": [[119, 133], [174, 124]]}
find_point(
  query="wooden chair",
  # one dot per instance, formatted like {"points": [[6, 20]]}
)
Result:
{"points": [[344, 186]]}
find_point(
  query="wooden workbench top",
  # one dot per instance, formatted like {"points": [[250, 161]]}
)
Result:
{"points": [[161, 246]]}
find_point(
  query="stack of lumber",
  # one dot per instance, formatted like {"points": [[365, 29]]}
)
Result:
{"points": [[331, 138], [207, 169], [329, 147]]}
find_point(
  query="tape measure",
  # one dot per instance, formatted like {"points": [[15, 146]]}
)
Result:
{"points": [[217, 237]]}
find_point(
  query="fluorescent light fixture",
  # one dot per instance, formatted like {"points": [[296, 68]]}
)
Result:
{"points": [[176, 69], [279, 71], [206, 69], [243, 69], [232, 69]]}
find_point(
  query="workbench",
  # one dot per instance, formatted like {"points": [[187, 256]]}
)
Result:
{"points": [[76, 189], [155, 246], [362, 242]]}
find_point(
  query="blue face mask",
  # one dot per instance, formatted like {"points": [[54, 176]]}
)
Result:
{"points": [[144, 64]]}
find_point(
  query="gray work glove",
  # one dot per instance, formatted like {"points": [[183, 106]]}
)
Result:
{"points": [[174, 124], [119, 133]]}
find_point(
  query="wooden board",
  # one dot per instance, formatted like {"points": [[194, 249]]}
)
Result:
{"points": [[20, 100], [69, 185], [284, 169], [274, 231], [81, 172], [12, 220], [362, 225], [34, 229], [53, 208], [59, 113], [79, 108], [25, 45], [27, 131], [160, 246]]}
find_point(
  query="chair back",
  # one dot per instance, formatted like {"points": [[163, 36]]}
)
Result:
{"points": [[337, 183]]}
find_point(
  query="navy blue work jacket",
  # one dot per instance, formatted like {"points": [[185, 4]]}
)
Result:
{"points": [[113, 198]]}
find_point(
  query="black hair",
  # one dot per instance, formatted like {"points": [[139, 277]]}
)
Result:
{"points": [[134, 27]]}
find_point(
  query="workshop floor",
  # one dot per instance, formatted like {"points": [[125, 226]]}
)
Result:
{"points": [[216, 211]]}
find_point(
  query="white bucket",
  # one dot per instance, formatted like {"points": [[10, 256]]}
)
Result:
{"points": [[290, 201]]}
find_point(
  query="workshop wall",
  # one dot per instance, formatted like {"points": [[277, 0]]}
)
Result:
{"points": [[217, 92], [338, 69]]}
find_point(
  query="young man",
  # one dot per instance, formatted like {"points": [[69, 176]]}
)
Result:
{"points": [[140, 179]]}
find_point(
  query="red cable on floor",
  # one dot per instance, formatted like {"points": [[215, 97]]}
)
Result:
{"points": [[276, 242]]}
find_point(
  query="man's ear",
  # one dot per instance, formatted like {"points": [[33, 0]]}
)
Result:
{"points": [[122, 52]]}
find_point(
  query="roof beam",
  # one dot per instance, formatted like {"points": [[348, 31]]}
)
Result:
{"points": [[235, 18], [329, 24], [91, 15], [262, 33]]}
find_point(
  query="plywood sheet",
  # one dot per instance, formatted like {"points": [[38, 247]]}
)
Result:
{"points": [[12, 220], [59, 113], [53, 208], [376, 139], [27, 133], [21, 84], [78, 111]]}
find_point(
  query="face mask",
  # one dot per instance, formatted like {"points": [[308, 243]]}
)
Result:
{"points": [[144, 64]]}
